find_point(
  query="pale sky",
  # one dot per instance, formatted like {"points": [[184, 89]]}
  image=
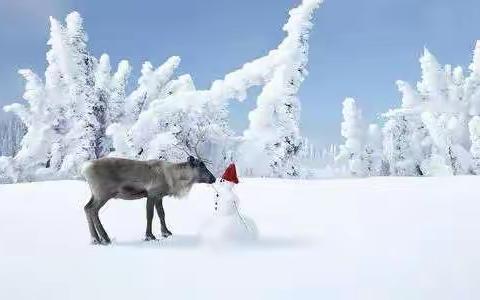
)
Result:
{"points": [[358, 48]]}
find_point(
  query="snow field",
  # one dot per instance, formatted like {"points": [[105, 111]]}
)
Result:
{"points": [[376, 238]]}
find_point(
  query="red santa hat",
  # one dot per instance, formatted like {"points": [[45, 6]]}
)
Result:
{"points": [[230, 174]]}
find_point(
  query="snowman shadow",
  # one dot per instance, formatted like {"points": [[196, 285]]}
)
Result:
{"points": [[279, 242], [262, 243], [272, 243]]}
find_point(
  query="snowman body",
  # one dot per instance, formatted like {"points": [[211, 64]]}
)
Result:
{"points": [[227, 224]]}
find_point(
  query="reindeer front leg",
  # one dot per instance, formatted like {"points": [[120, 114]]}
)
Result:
{"points": [[161, 216], [148, 233]]}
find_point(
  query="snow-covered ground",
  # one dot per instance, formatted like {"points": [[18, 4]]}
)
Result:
{"points": [[377, 238]]}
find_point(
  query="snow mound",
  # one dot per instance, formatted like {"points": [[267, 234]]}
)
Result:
{"points": [[229, 229]]}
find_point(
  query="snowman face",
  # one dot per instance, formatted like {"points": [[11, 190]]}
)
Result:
{"points": [[225, 198]]}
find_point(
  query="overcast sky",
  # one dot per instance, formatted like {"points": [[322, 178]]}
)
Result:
{"points": [[358, 48]]}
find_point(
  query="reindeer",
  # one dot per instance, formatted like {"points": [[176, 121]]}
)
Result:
{"points": [[132, 179]]}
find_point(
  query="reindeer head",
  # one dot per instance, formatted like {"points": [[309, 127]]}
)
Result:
{"points": [[202, 174]]}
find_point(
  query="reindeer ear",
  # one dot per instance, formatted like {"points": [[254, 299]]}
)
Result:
{"points": [[191, 160]]}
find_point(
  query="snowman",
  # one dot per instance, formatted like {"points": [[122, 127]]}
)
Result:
{"points": [[227, 224]]}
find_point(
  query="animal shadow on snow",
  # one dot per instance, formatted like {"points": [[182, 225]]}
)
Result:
{"points": [[174, 241], [193, 241]]}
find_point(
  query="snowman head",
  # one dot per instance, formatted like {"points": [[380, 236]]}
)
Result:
{"points": [[224, 184], [225, 199]]}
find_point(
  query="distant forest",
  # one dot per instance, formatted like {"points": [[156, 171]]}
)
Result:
{"points": [[11, 132]]}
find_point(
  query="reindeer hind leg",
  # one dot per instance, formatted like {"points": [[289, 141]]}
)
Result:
{"points": [[161, 216], [96, 220], [91, 226]]}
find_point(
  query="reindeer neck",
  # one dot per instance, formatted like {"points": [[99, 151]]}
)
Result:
{"points": [[182, 180]]}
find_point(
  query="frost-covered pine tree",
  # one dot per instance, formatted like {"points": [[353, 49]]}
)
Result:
{"points": [[373, 162], [435, 117], [185, 121], [85, 140], [474, 126], [154, 113], [397, 146], [471, 87], [274, 123], [118, 92], [278, 132], [440, 161], [111, 92], [102, 81], [433, 86], [150, 85], [406, 137], [34, 150], [129, 134], [82, 111], [67, 115], [57, 99], [353, 130], [445, 114], [179, 116]]}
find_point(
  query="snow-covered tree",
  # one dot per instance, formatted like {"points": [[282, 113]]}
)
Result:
{"points": [[150, 133], [82, 111], [150, 85], [433, 86], [65, 116], [445, 114], [406, 142], [439, 162], [85, 140], [118, 92], [471, 87], [111, 91], [274, 123], [430, 132], [373, 162], [397, 146], [166, 114], [56, 101], [34, 152], [353, 130], [474, 126]]}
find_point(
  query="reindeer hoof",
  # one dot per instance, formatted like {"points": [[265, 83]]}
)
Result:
{"points": [[95, 242], [106, 242], [150, 237], [166, 233]]}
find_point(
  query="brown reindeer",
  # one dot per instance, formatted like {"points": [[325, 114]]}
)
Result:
{"points": [[132, 179]]}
